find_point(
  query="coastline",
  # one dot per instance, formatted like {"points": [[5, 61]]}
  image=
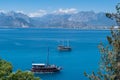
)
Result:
{"points": [[6, 28]]}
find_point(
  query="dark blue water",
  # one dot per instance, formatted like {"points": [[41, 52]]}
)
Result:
{"points": [[22, 46]]}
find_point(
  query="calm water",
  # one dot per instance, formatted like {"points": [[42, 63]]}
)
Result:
{"points": [[22, 46]]}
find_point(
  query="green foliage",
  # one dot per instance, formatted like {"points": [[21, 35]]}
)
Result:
{"points": [[7, 74], [110, 55], [115, 16], [19, 75], [5, 68]]}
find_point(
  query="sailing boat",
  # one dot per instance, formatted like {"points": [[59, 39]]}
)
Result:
{"points": [[45, 68], [64, 48]]}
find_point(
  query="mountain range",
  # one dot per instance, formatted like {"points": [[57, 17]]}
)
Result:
{"points": [[82, 20]]}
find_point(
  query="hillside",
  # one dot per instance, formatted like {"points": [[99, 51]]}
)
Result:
{"points": [[82, 20]]}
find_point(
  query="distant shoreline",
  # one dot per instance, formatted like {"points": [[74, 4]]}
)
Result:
{"points": [[51, 28]]}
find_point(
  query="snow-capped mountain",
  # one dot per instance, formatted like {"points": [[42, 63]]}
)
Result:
{"points": [[83, 20], [14, 19]]}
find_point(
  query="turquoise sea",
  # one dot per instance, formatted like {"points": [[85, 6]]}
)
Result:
{"points": [[21, 47]]}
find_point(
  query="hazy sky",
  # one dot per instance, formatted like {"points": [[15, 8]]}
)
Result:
{"points": [[52, 5]]}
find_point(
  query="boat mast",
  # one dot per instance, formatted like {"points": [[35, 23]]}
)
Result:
{"points": [[48, 57], [62, 43], [68, 43]]}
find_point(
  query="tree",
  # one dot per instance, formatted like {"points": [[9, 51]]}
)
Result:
{"points": [[110, 55], [5, 68], [19, 75], [7, 74]]}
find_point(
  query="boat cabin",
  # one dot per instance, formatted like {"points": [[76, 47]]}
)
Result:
{"points": [[38, 65]]}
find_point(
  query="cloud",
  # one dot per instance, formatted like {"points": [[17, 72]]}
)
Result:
{"points": [[66, 11], [38, 13], [20, 11]]}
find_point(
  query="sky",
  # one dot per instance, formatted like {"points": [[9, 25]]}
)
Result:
{"points": [[47, 6]]}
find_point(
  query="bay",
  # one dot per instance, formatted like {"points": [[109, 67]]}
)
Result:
{"points": [[21, 47]]}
